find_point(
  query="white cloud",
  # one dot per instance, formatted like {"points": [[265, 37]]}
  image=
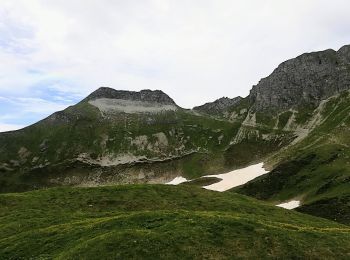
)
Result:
{"points": [[20, 111], [195, 51], [9, 127], [37, 105]]}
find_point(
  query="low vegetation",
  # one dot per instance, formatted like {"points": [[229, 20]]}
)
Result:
{"points": [[315, 170], [159, 221]]}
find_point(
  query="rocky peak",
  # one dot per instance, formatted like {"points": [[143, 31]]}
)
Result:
{"points": [[344, 53], [218, 106], [306, 79], [152, 96]]}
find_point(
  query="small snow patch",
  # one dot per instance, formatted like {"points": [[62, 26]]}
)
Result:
{"points": [[290, 204], [236, 178], [177, 180]]}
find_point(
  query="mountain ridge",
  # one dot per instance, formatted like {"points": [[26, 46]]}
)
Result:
{"points": [[306, 79], [218, 106], [118, 137], [147, 95]]}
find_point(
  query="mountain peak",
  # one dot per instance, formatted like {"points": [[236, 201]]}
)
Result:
{"points": [[304, 80], [146, 95], [344, 53], [218, 106]]}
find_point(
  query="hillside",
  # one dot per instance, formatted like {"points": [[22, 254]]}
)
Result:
{"points": [[218, 107], [295, 120], [159, 221], [308, 95], [316, 169], [114, 137]]}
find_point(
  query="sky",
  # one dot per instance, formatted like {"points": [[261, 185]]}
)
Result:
{"points": [[53, 53]]}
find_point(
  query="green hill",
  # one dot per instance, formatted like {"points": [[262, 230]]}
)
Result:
{"points": [[108, 140], [315, 170], [159, 221]]}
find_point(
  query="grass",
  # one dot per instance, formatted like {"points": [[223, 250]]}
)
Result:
{"points": [[252, 150], [201, 145], [159, 222], [201, 182], [283, 119], [53, 145], [266, 119], [304, 114], [315, 170]]}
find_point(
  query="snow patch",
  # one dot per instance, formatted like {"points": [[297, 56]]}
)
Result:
{"points": [[236, 178], [177, 181], [110, 105], [290, 204]]}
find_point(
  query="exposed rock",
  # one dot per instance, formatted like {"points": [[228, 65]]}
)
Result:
{"points": [[290, 123], [44, 145], [162, 139], [250, 120], [218, 107], [220, 138], [23, 153], [305, 80], [35, 160], [111, 159], [111, 106], [140, 142], [152, 96]]}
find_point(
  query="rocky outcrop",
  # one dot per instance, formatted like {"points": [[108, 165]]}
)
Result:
{"points": [[151, 96], [305, 80], [217, 107]]}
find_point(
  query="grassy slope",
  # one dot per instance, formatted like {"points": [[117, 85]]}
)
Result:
{"points": [[203, 181], [159, 221], [316, 170], [52, 145]]}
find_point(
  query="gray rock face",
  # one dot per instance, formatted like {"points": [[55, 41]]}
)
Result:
{"points": [[307, 79], [218, 106], [153, 96]]}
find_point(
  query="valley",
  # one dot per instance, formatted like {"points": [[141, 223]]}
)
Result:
{"points": [[265, 176]]}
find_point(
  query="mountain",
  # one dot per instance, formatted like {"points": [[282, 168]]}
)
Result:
{"points": [[308, 95], [315, 169], [296, 121], [114, 137], [159, 222], [303, 81], [146, 96], [218, 107]]}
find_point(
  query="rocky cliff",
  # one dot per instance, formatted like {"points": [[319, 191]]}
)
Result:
{"points": [[303, 81], [152, 96], [218, 106]]}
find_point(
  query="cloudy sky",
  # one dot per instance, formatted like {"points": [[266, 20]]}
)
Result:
{"points": [[55, 52]]}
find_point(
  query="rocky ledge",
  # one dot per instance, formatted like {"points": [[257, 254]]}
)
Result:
{"points": [[151, 96]]}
